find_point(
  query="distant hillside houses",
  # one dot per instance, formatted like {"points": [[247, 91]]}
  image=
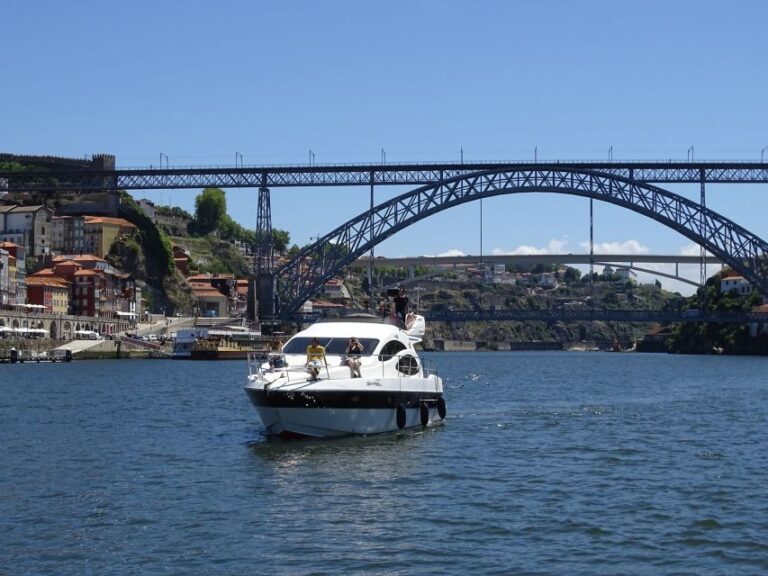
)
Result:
{"points": [[13, 271], [736, 284], [217, 295], [27, 226], [622, 273], [84, 285], [40, 232]]}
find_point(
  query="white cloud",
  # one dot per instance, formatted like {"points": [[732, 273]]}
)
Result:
{"points": [[554, 246], [626, 247], [452, 252]]}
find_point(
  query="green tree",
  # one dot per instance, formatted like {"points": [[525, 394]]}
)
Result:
{"points": [[280, 239], [210, 210], [572, 274]]}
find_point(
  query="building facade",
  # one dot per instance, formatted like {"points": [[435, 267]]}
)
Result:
{"points": [[49, 291], [735, 284], [68, 234], [17, 273], [100, 232], [27, 226]]}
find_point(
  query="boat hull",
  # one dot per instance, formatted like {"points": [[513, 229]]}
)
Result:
{"points": [[220, 354], [322, 414]]}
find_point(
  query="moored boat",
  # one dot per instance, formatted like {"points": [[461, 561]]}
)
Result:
{"points": [[232, 345], [229, 343], [394, 390]]}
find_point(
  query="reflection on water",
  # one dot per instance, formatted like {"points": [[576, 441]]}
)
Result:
{"points": [[367, 452]]}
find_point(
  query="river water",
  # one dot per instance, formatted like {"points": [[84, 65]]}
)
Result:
{"points": [[548, 463]]}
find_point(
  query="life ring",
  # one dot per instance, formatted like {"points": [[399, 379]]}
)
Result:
{"points": [[424, 413], [400, 413], [441, 410]]}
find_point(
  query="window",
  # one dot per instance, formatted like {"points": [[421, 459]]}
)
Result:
{"points": [[331, 345], [390, 349], [408, 365]]}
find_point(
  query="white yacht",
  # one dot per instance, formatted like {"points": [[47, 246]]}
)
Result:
{"points": [[395, 389]]}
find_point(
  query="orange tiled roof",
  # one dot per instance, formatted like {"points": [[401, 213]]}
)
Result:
{"points": [[67, 263], [52, 281], [78, 258], [207, 292], [106, 220], [86, 272]]}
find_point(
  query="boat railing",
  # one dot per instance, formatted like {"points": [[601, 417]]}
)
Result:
{"points": [[329, 371], [276, 363], [428, 367]]}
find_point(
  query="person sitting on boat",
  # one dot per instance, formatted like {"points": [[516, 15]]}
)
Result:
{"points": [[275, 357], [353, 352], [276, 361], [315, 358]]}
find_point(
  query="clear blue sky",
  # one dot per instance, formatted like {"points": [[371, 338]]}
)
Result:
{"points": [[198, 81]]}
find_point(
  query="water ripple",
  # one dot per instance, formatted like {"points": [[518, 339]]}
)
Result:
{"points": [[654, 462]]}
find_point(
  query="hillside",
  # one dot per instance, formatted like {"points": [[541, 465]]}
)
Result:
{"points": [[211, 254], [460, 291]]}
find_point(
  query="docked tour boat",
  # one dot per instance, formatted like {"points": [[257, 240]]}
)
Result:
{"points": [[227, 343], [394, 391]]}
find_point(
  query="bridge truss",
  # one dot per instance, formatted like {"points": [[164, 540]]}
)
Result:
{"points": [[417, 174], [734, 245], [442, 186]]}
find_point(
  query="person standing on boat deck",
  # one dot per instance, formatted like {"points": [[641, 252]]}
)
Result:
{"points": [[401, 304], [315, 358], [353, 352]]}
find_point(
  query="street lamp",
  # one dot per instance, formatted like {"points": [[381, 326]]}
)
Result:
{"points": [[161, 160], [762, 153], [690, 154], [237, 154]]}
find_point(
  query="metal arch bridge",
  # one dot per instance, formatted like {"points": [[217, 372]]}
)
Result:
{"points": [[385, 174], [297, 280], [442, 186]]}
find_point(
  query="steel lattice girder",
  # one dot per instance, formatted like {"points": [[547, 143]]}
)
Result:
{"points": [[734, 245], [594, 315], [365, 175]]}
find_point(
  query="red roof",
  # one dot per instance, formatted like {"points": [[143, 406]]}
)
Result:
{"points": [[105, 220], [78, 258], [52, 281], [207, 292]]}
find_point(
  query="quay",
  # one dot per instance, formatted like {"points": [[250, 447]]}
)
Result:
{"points": [[14, 356]]}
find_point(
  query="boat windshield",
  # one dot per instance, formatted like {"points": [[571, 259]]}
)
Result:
{"points": [[331, 345]]}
